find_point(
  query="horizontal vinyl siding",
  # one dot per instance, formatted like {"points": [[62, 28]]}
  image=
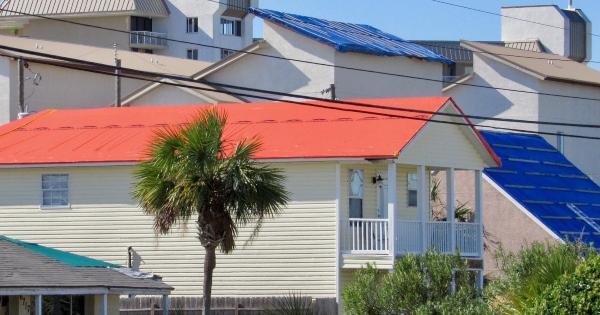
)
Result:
{"points": [[370, 189], [443, 145], [294, 251]]}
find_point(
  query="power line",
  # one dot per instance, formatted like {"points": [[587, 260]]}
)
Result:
{"points": [[346, 109], [506, 16], [310, 62], [419, 42], [313, 98]]}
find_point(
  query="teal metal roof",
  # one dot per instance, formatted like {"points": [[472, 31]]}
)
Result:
{"points": [[61, 256]]}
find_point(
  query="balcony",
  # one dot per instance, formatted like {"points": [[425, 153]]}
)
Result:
{"points": [[236, 8], [402, 210], [147, 40], [372, 237]]}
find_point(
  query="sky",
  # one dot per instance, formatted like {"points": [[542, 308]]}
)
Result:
{"points": [[425, 19]]}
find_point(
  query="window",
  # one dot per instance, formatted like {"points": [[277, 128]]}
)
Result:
{"points": [[192, 54], [226, 53], [192, 25], [55, 190], [356, 193], [231, 27], [560, 142], [139, 23], [412, 189]]}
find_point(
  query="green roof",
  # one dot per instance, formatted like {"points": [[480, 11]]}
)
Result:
{"points": [[61, 256]]}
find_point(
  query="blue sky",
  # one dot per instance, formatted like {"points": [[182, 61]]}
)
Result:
{"points": [[424, 19]]}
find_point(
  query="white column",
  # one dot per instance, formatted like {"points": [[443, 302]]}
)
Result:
{"points": [[423, 203], [451, 207], [38, 305], [479, 207], [391, 206], [165, 304], [104, 304], [338, 231]]}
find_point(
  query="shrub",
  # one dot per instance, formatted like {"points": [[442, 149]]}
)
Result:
{"points": [[417, 285], [528, 274], [293, 304], [361, 296], [577, 293]]}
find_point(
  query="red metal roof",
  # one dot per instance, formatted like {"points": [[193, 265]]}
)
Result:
{"points": [[287, 131]]}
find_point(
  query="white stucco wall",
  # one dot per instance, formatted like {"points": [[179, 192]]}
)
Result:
{"points": [[59, 88], [556, 40], [209, 25], [310, 79], [71, 33], [282, 75], [359, 84]]}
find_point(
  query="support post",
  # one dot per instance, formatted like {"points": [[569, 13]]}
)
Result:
{"points": [[165, 304], [451, 207], [338, 231], [21, 79], [38, 305], [104, 304], [332, 91], [423, 203], [391, 207], [117, 82], [479, 207]]}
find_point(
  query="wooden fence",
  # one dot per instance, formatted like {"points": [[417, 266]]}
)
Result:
{"points": [[220, 305]]}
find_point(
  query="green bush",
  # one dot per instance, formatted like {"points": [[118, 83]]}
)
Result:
{"points": [[528, 273], [577, 293], [417, 285]]}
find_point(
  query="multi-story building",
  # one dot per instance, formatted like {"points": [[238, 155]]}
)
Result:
{"points": [[144, 25]]}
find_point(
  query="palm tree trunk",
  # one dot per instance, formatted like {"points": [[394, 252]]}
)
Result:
{"points": [[210, 261]]}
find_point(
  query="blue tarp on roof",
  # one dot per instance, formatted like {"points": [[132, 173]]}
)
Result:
{"points": [[548, 185], [348, 37]]}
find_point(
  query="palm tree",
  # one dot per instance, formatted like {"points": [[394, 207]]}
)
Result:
{"points": [[196, 171]]}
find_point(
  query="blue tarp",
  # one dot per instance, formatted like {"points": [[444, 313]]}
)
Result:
{"points": [[545, 183], [348, 37]]}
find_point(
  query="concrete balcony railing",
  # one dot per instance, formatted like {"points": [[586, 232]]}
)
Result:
{"points": [[147, 40]]}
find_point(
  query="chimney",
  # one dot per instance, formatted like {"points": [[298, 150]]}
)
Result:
{"points": [[565, 32]]}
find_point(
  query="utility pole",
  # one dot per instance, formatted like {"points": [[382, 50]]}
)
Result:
{"points": [[21, 78], [117, 78], [332, 91]]}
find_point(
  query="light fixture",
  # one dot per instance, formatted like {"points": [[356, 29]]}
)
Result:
{"points": [[377, 179]]}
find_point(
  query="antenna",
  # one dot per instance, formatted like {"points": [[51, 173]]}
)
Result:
{"points": [[571, 7]]}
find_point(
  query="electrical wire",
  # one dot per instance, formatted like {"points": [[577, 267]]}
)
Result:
{"points": [[316, 63], [308, 104], [271, 92]]}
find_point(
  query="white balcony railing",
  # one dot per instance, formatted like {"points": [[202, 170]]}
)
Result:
{"points": [[365, 236], [371, 236], [146, 39]]}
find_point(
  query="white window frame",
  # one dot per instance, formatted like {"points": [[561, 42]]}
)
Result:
{"points": [[361, 193], [193, 27], [42, 190], [194, 52], [234, 22]]}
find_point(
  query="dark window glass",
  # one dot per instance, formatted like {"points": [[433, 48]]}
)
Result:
{"points": [[356, 207], [412, 198], [139, 23]]}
